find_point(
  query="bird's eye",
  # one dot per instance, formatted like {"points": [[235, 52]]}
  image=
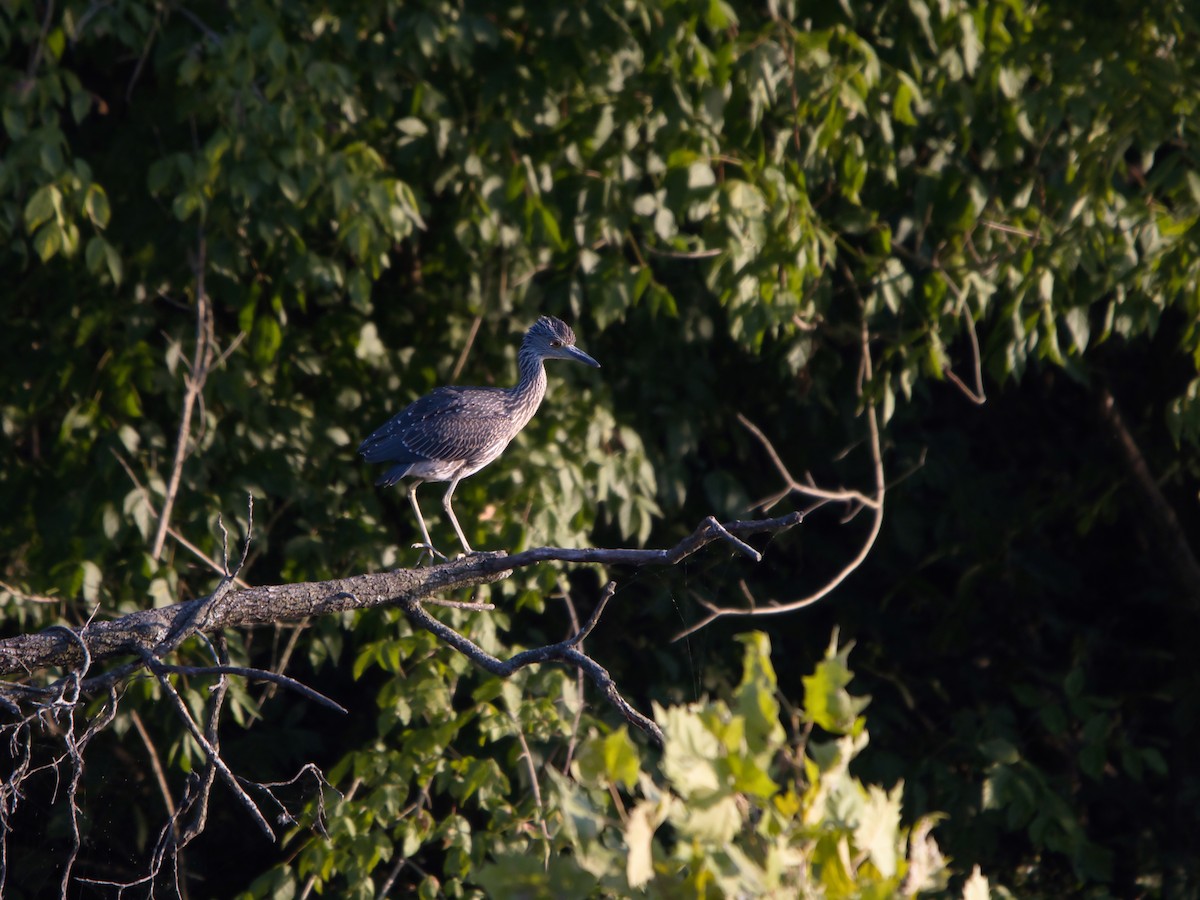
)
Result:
{"points": [[556, 343]]}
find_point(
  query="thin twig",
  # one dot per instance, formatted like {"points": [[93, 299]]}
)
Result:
{"points": [[285, 658], [1009, 229], [145, 54], [460, 604], [184, 542], [466, 350], [194, 380], [210, 751], [573, 740], [74, 751], [36, 60], [285, 815], [976, 396], [566, 652], [589, 626], [28, 598], [255, 675], [685, 254], [532, 769], [874, 503], [156, 766], [806, 488]]}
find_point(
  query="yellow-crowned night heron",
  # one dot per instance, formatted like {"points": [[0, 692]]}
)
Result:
{"points": [[453, 432]]}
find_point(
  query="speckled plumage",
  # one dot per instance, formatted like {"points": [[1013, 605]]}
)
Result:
{"points": [[453, 432]]}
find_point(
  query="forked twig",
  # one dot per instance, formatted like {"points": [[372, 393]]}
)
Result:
{"points": [[872, 502]]}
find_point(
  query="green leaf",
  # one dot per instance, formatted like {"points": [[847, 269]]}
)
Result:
{"points": [[700, 175], [44, 205], [999, 750], [755, 698], [690, 752], [1079, 325], [185, 205], [639, 837], [720, 15], [527, 876], [645, 205], [56, 42], [878, 828], [976, 887], [15, 124], [714, 820], [550, 228], [113, 259], [96, 205], [614, 756], [48, 241], [95, 256], [749, 777], [90, 582], [902, 105], [267, 339], [288, 187], [827, 703]]}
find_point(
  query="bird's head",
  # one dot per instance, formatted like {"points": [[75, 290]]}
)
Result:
{"points": [[552, 338]]}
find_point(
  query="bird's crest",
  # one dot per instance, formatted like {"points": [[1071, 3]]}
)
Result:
{"points": [[553, 329]]}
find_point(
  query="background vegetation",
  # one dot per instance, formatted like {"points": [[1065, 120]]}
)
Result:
{"points": [[380, 197]]}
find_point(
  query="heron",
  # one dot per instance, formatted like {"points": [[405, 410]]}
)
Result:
{"points": [[453, 432]]}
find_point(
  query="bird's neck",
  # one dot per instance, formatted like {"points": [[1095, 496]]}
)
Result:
{"points": [[527, 395]]}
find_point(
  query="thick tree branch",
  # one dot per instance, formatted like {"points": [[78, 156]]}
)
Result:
{"points": [[148, 635], [269, 604]]}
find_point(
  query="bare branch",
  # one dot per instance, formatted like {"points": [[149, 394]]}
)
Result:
{"points": [[532, 768], [255, 675], [284, 815], [156, 766], [150, 634], [459, 604], [573, 742], [165, 627], [201, 360], [685, 254], [211, 752], [807, 488], [27, 598], [874, 503], [564, 651], [976, 396], [466, 350], [609, 590]]}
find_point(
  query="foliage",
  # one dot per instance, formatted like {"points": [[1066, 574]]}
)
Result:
{"points": [[732, 807], [379, 197]]}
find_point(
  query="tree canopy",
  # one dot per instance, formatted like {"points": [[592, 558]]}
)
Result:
{"points": [[926, 273]]}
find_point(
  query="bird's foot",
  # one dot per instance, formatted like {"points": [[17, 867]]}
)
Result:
{"points": [[425, 548]]}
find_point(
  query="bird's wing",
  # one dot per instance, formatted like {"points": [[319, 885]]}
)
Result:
{"points": [[447, 423]]}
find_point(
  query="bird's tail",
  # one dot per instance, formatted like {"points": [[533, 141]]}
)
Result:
{"points": [[394, 474]]}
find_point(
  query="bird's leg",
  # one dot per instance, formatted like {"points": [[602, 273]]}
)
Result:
{"points": [[453, 519], [427, 546]]}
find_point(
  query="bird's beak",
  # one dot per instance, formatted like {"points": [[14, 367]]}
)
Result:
{"points": [[579, 356]]}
